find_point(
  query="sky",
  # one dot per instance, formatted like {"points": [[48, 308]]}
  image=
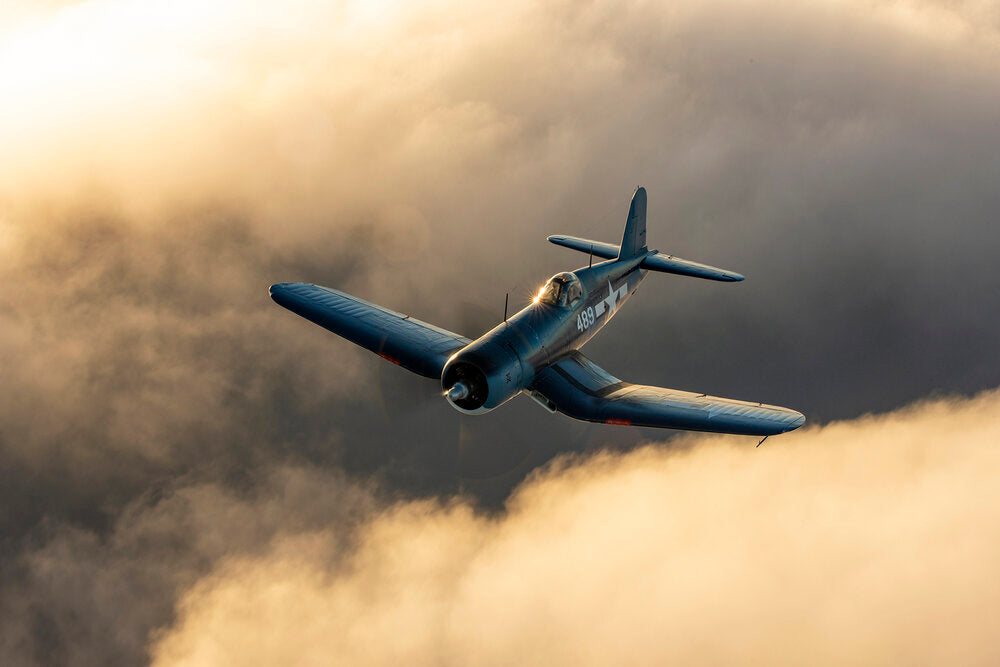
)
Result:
{"points": [[191, 475]]}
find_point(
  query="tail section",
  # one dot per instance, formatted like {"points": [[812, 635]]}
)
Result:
{"points": [[634, 244], [634, 240]]}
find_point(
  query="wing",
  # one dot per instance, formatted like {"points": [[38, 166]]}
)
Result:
{"points": [[581, 389], [416, 346]]}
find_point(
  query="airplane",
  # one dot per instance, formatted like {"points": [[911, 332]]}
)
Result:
{"points": [[537, 350]]}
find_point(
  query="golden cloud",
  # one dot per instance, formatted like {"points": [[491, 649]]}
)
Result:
{"points": [[870, 541]]}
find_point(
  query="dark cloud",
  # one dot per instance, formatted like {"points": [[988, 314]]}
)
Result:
{"points": [[88, 598], [165, 162]]}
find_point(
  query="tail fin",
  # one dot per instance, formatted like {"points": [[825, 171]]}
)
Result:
{"points": [[634, 240]]}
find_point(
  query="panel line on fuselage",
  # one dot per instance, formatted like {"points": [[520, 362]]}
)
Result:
{"points": [[542, 333], [597, 279]]}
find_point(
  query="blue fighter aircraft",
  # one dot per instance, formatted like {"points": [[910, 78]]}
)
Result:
{"points": [[537, 351]]}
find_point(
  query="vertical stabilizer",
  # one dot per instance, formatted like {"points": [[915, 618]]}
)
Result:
{"points": [[634, 240]]}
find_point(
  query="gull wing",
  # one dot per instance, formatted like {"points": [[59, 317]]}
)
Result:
{"points": [[416, 346], [581, 389]]}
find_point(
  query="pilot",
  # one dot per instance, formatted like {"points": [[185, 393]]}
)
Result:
{"points": [[562, 290]]}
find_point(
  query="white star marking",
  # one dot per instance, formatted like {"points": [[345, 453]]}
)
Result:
{"points": [[612, 299]]}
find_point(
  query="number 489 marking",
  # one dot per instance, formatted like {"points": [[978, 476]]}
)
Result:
{"points": [[585, 319]]}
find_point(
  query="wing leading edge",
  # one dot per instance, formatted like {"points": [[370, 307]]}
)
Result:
{"points": [[415, 345], [581, 389]]}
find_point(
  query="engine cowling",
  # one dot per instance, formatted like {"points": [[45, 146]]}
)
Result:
{"points": [[482, 377]]}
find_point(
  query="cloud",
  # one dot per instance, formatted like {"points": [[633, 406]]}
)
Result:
{"points": [[867, 541], [90, 598], [837, 153], [165, 161]]}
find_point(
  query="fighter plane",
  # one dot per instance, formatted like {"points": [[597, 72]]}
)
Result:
{"points": [[537, 350]]}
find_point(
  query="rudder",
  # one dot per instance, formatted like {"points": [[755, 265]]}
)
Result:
{"points": [[634, 240]]}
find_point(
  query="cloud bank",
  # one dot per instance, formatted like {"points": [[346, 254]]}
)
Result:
{"points": [[872, 541]]}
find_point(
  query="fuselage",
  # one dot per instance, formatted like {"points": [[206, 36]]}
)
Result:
{"points": [[503, 361]]}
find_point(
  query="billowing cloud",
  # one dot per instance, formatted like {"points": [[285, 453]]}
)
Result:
{"points": [[870, 541], [163, 162]]}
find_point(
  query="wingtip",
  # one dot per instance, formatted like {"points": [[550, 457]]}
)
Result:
{"points": [[798, 420], [274, 291], [278, 291]]}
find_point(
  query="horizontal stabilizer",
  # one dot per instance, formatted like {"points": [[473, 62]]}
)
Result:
{"points": [[600, 249], [655, 261], [658, 261]]}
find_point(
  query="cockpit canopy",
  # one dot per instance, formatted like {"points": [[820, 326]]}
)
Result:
{"points": [[563, 289]]}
